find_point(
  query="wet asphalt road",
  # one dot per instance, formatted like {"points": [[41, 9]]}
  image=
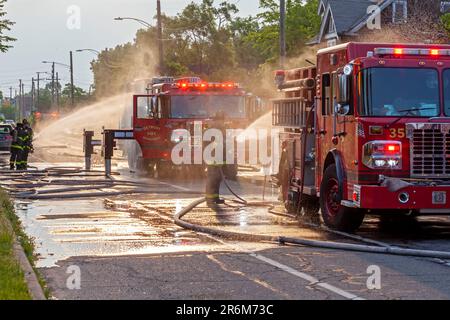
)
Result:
{"points": [[127, 247]]}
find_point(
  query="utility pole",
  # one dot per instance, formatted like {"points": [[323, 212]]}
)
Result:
{"points": [[160, 39], [10, 94], [72, 88], [282, 33], [57, 91], [19, 108], [23, 101], [33, 95], [38, 88], [53, 84]]}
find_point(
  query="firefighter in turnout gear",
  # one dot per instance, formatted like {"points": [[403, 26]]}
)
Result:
{"points": [[15, 146], [25, 139], [215, 170]]}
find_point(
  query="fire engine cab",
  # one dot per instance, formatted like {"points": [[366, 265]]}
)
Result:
{"points": [[366, 130], [175, 105]]}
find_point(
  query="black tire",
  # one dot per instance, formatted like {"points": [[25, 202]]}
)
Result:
{"points": [[335, 215], [162, 170], [310, 206]]}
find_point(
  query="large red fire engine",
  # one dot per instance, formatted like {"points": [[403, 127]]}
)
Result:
{"points": [[367, 130], [175, 105]]}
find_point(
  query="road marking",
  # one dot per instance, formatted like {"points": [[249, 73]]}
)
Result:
{"points": [[313, 282]]}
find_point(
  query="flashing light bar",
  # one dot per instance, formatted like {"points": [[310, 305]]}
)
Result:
{"points": [[411, 52], [207, 85]]}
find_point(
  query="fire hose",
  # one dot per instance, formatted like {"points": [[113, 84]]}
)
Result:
{"points": [[378, 248], [27, 183]]}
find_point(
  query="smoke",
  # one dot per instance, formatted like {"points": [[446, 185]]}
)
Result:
{"points": [[261, 81], [117, 68]]}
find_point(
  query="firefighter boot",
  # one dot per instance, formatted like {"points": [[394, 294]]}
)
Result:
{"points": [[213, 181]]}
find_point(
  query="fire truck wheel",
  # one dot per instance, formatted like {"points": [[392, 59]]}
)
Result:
{"points": [[310, 206], [334, 214], [161, 171]]}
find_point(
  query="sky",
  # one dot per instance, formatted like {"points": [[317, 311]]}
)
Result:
{"points": [[48, 29]]}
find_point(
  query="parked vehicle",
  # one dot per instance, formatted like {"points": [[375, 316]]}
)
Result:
{"points": [[5, 136]]}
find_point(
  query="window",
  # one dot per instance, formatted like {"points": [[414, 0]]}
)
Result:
{"points": [[207, 106], [446, 80], [331, 26], [400, 92], [146, 107], [445, 6], [5, 129], [399, 11], [326, 94]]}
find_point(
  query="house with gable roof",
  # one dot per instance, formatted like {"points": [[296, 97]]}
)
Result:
{"points": [[344, 19]]}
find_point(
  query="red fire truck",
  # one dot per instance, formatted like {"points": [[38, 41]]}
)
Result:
{"points": [[366, 130], [174, 105]]}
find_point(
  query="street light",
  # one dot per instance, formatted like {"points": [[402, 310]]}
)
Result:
{"points": [[98, 53], [159, 30], [143, 22], [91, 50], [57, 63]]}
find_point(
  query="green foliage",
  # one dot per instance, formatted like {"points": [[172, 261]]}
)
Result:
{"points": [[207, 39], [445, 20], [5, 25], [8, 111], [12, 281]]}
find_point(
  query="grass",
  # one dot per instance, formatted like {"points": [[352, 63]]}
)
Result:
{"points": [[12, 282]]}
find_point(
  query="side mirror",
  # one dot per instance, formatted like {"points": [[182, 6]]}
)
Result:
{"points": [[344, 89], [342, 109]]}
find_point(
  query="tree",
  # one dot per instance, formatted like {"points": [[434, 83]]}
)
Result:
{"points": [[200, 37], [5, 25], [208, 40], [302, 23]]}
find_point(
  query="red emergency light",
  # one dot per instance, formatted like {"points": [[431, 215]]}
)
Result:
{"points": [[206, 85], [412, 52]]}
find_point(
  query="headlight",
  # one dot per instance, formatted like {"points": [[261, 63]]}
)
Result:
{"points": [[179, 135], [383, 155]]}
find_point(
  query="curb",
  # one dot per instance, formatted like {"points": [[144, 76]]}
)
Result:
{"points": [[34, 288]]}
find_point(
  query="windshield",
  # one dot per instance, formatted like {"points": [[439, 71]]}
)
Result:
{"points": [[447, 91], [5, 129], [201, 107], [405, 92]]}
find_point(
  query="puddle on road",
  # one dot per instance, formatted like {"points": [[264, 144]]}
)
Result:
{"points": [[63, 229], [99, 227]]}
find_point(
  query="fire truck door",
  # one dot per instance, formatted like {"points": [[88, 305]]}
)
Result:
{"points": [[145, 122]]}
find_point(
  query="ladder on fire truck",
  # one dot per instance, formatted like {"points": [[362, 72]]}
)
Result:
{"points": [[295, 114]]}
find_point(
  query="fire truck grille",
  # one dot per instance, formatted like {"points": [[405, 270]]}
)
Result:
{"points": [[430, 152]]}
